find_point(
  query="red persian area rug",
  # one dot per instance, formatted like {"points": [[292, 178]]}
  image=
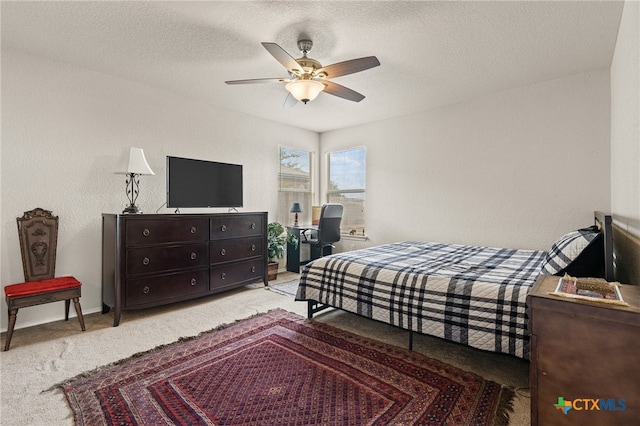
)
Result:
{"points": [[281, 369]]}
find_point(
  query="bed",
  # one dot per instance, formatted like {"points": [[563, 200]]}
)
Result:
{"points": [[471, 295]]}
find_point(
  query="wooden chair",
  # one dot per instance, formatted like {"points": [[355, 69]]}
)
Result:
{"points": [[38, 231]]}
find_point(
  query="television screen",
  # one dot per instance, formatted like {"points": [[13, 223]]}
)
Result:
{"points": [[199, 183]]}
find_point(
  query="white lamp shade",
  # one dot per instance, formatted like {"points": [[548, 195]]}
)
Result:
{"points": [[134, 162], [305, 90]]}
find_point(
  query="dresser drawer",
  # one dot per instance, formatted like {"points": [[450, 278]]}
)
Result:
{"points": [[154, 231], [233, 226], [235, 249], [228, 276], [165, 258], [161, 288]]}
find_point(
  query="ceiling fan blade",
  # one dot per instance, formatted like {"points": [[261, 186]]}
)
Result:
{"points": [[340, 91], [290, 101], [258, 81], [348, 67], [283, 57]]}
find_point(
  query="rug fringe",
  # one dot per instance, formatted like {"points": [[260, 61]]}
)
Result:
{"points": [[88, 373], [505, 406]]}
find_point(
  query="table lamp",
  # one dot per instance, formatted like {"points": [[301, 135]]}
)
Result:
{"points": [[134, 166], [295, 208]]}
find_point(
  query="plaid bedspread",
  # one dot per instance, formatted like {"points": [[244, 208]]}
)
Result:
{"points": [[467, 294]]}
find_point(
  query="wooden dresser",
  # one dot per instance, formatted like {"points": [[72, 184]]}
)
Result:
{"points": [[581, 352], [155, 259]]}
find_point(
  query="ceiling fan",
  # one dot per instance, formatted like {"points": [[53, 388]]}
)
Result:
{"points": [[307, 77]]}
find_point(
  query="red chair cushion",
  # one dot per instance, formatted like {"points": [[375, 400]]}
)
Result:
{"points": [[43, 286]]}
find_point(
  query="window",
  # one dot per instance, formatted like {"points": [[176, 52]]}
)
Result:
{"points": [[347, 177], [294, 183]]}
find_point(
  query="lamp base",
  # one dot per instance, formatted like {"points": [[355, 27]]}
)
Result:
{"points": [[133, 184], [132, 209]]}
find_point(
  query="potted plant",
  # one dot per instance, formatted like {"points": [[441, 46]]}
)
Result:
{"points": [[277, 237]]}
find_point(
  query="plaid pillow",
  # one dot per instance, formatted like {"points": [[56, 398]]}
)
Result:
{"points": [[567, 249]]}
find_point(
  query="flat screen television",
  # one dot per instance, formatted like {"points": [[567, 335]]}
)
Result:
{"points": [[200, 183]]}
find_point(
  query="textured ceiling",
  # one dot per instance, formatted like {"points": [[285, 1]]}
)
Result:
{"points": [[431, 52]]}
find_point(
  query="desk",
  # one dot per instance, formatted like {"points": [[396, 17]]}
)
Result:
{"points": [[293, 253]]}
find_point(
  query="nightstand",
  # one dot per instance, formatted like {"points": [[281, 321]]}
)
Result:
{"points": [[584, 353]]}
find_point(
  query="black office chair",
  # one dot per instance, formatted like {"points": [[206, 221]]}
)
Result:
{"points": [[328, 231]]}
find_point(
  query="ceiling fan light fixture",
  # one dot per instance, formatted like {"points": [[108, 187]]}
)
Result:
{"points": [[307, 77], [305, 90]]}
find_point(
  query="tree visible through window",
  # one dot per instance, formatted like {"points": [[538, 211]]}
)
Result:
{"points": [[347, 184], [294, 185]]}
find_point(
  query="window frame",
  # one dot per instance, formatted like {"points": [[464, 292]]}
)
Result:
{"points": [[283, 215], [360, 233]]}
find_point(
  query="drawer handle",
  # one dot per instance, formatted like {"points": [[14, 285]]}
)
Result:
{"points": [[145, 261], [223, 252], [223, 276], [146, 232], [253, 226], [253, 247], [193, 256], [193, 281], [146, 290], [193, 229], [253, 269], [223, 228]]}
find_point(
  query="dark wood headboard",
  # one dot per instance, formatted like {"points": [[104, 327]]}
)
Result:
{"points": [[621, 251], [605, 224], [626, 256]]}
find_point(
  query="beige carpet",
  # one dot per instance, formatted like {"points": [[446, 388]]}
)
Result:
{"points": [[43, 356]]}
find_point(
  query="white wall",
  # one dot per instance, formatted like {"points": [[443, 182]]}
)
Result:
{"points": [[63, 131], [513, 169], [625, 122]]}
